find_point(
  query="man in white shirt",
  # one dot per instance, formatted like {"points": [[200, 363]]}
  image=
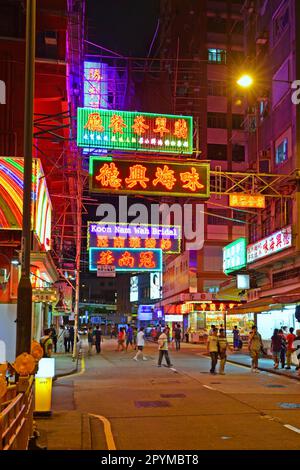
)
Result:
{"points": [[140, 340], [163, 349]]}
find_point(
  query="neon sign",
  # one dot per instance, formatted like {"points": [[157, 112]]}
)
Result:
{"points": [[275, 243], [126, 259], [11, 199], [247, 200], [127, 130], [234, 256], [153, 178], [95, 85], [110, 235]]}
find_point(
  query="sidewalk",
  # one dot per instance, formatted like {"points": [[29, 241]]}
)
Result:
{"points": [[64, 365]]}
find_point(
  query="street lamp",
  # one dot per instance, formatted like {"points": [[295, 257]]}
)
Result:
{"points": [[245, 81]]}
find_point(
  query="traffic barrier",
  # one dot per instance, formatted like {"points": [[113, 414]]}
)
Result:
{"points": [[16, 416]]}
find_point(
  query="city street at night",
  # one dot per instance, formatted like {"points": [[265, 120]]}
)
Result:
{"points": [[149, 231], [157, 408]]}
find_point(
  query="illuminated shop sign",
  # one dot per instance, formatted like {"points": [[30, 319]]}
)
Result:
{"points": [[234, 256], [126, 130], [111, 235], [155, 286], [275, 243], [247, 200], [95, 85], [130, 259], [152, 178], [11, 199], [134, 289]]}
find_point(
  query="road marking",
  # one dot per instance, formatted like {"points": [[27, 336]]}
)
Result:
{"points": [[209, 388], [77, 373], [107, 431], [292, 428]]}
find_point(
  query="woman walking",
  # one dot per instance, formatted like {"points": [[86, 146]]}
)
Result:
{"points": [[121, 339], [255, 346], [276, 345]]}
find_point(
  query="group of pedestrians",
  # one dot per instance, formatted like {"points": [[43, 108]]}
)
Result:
{"points": [[217, 345], [283, 344], [163, 347], [58, 342]]}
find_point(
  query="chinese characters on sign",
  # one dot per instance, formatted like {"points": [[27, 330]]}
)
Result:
{"points": [[154, 178], [110, 235], [234, 256], [95, 85], [276, 242], [128, 259], [126, 130], [247, 200]]}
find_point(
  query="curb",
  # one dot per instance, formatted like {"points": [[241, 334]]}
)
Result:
{"points": [[266, 370]]}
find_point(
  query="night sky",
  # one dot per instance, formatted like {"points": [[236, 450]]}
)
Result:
{"points": [[125, 26]]}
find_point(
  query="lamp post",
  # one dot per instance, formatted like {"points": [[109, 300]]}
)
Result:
{"points": [[24, 302]]}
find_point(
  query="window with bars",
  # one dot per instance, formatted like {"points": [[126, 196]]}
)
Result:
{"points": [[216, 56], [217, 88], [217, 120]]}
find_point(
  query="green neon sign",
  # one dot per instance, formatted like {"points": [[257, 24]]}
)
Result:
{"points": [[235, 256], [139, 132]]}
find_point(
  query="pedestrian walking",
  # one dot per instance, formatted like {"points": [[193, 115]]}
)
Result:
{"points": [[129, 337], [140, 341], [163, 348], [212, 347], [276, 344], [90, 341], [236, 338], [255, 346], [60, 339], [47, 343], [53, 337], [296, 347], [135, 333], [187, 334], [289, 347], [67, 339], [121, 339], [283, 348], [222, 349], [167, 332], [177, 337], [72, 334], [98, 338]]}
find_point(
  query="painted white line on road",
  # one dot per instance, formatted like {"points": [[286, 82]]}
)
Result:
{"points": [[292, 428], [76, 373], [209, 388], [107, 431]]}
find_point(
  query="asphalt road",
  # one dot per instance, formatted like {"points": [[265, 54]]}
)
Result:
{"points": [[116, 402]]}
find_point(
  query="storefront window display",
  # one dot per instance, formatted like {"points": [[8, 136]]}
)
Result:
{"points": [[244, 323], [268, 321]]}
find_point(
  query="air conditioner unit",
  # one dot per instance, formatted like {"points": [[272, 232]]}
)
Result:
{"points": [[50, 38]]}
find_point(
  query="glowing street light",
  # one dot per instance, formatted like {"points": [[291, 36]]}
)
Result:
{"points": [[245, 81]]}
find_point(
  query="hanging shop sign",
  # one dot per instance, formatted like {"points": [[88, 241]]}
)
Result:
{"points": [[106, 270], [111, 235], [257, 201], [44, 295], [140, 132], [149, 178], [95, 84], [234, 256], [64, 303], [270, 245], [130, 259]]}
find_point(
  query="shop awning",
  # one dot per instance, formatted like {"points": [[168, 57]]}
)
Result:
{"points": [[257, 306]]}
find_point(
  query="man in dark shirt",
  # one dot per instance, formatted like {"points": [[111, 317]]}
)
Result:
{"points": [[98, 334], [177, 336]]}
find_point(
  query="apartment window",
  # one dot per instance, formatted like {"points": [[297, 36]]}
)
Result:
{"points": [[217, 152], [47, 45], [213, 258], [217, 120], [217, 88], [238, 153], [282, 152], [237, 121], [280, 23], [217, 56], [215, 24]]}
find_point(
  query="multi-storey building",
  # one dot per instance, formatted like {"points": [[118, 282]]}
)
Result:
{"points": [[272, 41], [201, 48], [58, 91]]}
